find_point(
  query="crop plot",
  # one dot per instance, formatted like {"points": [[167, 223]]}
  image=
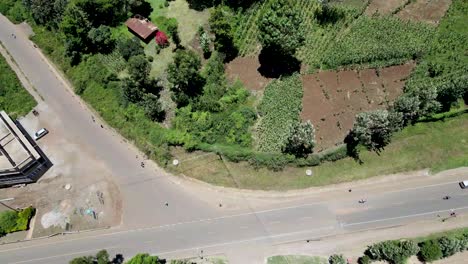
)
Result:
{"points": [[425, 10], [333, 98], [383, 7]]}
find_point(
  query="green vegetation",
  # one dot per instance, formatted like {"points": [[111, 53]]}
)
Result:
{"points": [[279, 110], [438, 145], [293, 259], [428, 249], [379, 41], [13, 221], [445, 66], [14, 99]]}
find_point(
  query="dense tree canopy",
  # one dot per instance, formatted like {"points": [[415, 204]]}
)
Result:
{"points": [[101, 39], [139, 68], [221, 27], [281, 28], [374, 129], [129, 47], [184, 76], [301, 141]]}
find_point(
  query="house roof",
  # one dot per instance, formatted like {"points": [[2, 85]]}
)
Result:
{"points": [[141, 26]]}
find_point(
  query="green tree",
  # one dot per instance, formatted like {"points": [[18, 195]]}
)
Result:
{"points": [[153, 108], [173, 30], [184, 76], [430, 251], [131, 91], [101, 39], [42, 11], [301, 140], [395, 252], [145, 259], [215, 85], [139, 68], [374, 129], [75, 27], [281, 28], [336, 259], [83, 260], [408, 106], [449, 245], [102, 257], [129, 47], [220, 25], [102, 12]]}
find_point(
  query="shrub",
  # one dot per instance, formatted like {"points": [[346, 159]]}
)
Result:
{"points": [[393, 251], [22, 223], [8, 222], [334, 154], [449, 245], [336, 259], [430, 251], [161, 39], [364, 260], [272, 161]]}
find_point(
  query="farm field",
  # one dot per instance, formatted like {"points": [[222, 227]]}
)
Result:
{"points": [[425, 10], [333, 98], [383, 7]]}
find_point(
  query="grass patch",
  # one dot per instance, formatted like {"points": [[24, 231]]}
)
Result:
{"points": [[459, 232], [188, 19], [13, 221], [435, 145], [279, 109], [14, 99], [378, 41], [296, 259]]}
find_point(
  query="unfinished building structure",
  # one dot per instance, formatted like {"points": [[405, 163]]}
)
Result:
{"points": [[21, 160]]}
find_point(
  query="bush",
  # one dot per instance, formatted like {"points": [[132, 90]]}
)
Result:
{"points": [[450, 245], [430, 251], [272, 161], [364, 260], [336, 259], [8, 222], [334, 154], [393, 251]]}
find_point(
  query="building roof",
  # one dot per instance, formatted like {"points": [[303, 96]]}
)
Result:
{"points": [[141, 26], [15, 149]]}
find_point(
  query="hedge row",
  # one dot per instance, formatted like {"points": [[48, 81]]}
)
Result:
{"points": [[428, 250], [12, 221]]}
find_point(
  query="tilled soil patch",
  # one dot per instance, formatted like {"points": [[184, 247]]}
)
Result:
{"points": [[429, 11], [332, 99]]}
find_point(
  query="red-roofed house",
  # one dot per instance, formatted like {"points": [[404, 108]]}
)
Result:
{"points": [[141, 27]]}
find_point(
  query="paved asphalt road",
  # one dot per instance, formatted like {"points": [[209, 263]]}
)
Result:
{"points": [[188, 224]]}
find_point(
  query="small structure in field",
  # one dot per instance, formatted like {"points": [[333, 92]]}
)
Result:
{"points": [[141, 27]]}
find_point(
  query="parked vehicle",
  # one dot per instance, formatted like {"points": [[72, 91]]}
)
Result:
{"points": [[40, 133], [464, 184]]}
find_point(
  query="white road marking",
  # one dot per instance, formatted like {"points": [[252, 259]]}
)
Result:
{"points": [[62, 255], [402, 217], [215, 218], [274, 222]]}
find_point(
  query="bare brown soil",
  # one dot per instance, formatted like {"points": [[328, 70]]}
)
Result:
{"points": [[332, 99], [383, 7], [246, 70], [425, 10]]}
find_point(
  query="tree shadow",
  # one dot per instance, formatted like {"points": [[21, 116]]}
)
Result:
{"points": [[352, 147], [274, 64], [118, 259], [143, 9]]}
